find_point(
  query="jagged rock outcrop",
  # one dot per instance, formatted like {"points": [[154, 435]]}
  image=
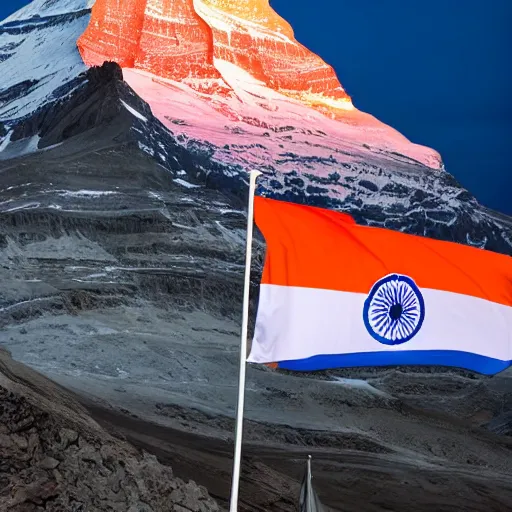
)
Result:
{"points": [[54, 457], [95, 103]]}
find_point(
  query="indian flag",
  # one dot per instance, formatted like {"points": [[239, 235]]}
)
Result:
{"points": [[336, 294]]}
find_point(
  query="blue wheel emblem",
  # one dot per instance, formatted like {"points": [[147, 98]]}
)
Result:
{"points": [[394, 310]]}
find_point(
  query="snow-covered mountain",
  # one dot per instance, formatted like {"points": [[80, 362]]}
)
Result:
{"points": [[310, 148], [38, 55]]}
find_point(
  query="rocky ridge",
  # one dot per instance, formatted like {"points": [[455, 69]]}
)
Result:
{"points": [[408, 198]]}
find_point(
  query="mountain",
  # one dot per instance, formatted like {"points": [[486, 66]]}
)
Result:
{"points": [[209, 40], [122, 238], [261, 75], [236, 112]]}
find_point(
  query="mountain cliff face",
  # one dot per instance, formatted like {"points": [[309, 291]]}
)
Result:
{"points": [[251, 36], [193, 40], [166, 38]]}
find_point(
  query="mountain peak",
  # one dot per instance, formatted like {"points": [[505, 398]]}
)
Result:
{"points": [[225, 72], [191, 40], [251, 35]]}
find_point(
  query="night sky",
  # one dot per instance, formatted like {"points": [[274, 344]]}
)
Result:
{"points": [[437, 70]]}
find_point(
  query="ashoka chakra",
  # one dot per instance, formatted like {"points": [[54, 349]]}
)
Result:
{"points": [[394, 310]]}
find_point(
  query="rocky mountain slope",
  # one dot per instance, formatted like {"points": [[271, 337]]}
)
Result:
{"points": [[56, 458]]}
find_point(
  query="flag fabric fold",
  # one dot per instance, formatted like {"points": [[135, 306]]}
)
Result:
{"points": [[337, 294]]}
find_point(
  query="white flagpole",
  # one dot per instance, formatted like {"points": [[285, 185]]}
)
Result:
{"points": [[243, 347]]}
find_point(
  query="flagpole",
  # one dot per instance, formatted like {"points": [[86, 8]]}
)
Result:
{"points": [[253, 175], [309, 486]]}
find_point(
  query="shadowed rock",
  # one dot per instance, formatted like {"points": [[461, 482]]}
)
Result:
{"points": [[56, 458]]}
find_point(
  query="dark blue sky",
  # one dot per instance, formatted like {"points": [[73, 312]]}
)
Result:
{"points": [[9, 6], [437, 70]]}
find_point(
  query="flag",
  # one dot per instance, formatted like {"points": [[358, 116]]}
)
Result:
{"points": [[337, 294], [309, 501]]}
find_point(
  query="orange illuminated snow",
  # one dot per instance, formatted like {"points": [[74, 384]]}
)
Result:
{"points": [[175, 42], [192, 40], [164, 37], [111, 34], [251, 35]]}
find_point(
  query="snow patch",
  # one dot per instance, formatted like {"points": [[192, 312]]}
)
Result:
{"points": [[26, 206], [45, 55], [6, 141], [146, 149], [185, 184], [359, 384], [154, 195], [18, 148], [87, 193], [224, 211], [39, 299], [138, 115]]}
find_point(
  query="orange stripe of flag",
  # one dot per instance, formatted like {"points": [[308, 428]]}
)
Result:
{"points": [[318, 248]]}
